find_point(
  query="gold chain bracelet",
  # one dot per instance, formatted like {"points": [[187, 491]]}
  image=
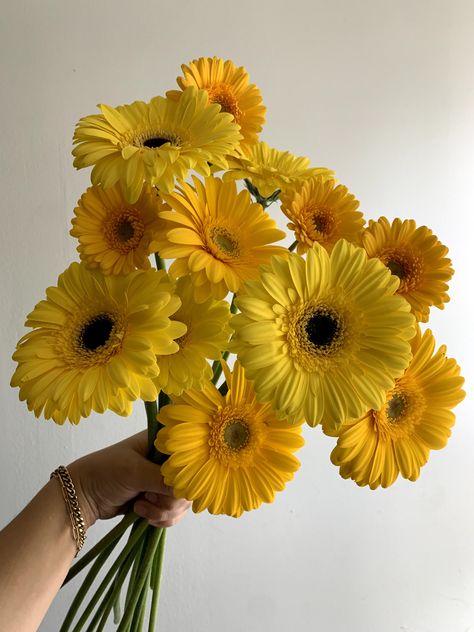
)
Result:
{"points": [[72, 504]]}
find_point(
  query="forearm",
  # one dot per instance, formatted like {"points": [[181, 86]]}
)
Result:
{"points": [[36, 550], [37, 547]]}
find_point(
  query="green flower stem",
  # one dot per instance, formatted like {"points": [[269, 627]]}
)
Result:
{"points": [[216, 365], [163, 400], [155, 581], [293, 246], [140, 580], [116, 605], [111, 597], [223, 389], [114, 535], [153, 424], [155, 575], [217, 373], [152, 539], [264, 201], [133, 575], [86, 584], [160, 264], [131, 544], [139, 615]]}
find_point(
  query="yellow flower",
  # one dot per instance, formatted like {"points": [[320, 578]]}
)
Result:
{"points": [[114, 234], [227, 454], [206, 336], [270, 170], [218, 235], [94, 343], [322, 212], [323, 337], [416, 257], [154, 142], [416, 418], [229, 86]]}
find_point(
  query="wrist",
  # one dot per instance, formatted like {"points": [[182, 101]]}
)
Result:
{"points": [[86, 505]]}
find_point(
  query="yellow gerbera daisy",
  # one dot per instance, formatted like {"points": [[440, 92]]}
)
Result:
{"points": [[207, 335], [114, 234], [94, 343], [322, 212], [154, 142], [217, 234], [324, 336], [270, 170], [229, 86], [227, 454], [416, 257], [415, 419]]}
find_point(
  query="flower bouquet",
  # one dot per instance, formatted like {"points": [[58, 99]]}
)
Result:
{"points": [[325, 332]]}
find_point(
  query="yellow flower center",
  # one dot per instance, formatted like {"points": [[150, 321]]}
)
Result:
{"points": [[124, 230], [225, 242], [235, 435], [406, 265], [92, 338], [403, 411], [224, 95]]}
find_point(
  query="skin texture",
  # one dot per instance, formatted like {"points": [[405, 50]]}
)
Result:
{"points": [[37, 547]]}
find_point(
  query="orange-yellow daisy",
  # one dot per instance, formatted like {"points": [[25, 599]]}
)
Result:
{"points": [[217, 234], [228, 454], [227, 85], [415, 419], [416, 257], [321, 211], [114, 234]]}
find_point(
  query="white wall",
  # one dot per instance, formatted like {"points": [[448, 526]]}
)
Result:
{"points": [[383, 93]]}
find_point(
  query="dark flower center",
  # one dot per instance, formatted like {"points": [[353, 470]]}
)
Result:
{"points": [[396, 406], [396, 268], [152, 143], [96, 332], [323, 221], [236, 434], [322, 328], [125, 230]]}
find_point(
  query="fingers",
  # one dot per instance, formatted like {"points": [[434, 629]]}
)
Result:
{"points": [[143, 475], [161, 510]]}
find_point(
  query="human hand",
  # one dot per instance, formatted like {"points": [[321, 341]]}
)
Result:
{"points": [[108, 480]]}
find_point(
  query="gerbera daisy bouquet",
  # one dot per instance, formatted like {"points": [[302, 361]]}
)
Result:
{"points": [[231, 340]]}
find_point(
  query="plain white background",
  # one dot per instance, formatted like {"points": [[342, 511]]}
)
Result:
{"points": [[382, 92]]}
